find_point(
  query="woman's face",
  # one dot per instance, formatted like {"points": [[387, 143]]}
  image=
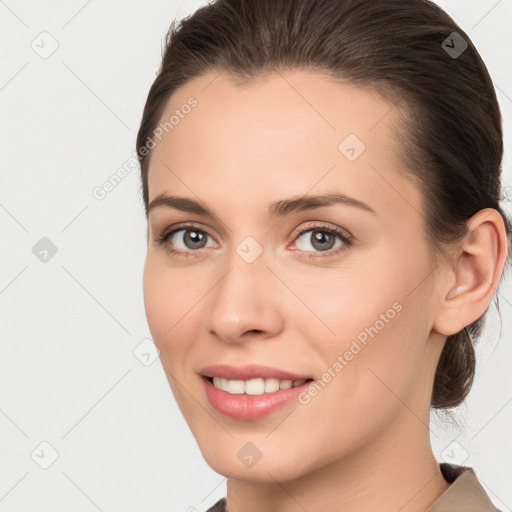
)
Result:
{"points": [[351, 310]]}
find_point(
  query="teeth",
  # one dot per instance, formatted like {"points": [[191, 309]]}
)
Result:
{"points": [[254, 386], [271, 385]]}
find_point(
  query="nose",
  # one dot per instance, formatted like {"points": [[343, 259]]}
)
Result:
{"points": [[245, 303]]}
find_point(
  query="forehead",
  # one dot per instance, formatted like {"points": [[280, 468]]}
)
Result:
{"points": [[287, 133]]}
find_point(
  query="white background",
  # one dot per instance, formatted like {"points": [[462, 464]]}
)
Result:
{"points": [[69, 326]]}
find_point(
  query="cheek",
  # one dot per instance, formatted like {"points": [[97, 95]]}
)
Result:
{"points": [[346, 305], [172, 313], [155, 298], [164, 302], [163, 311], [382, 359], [378, 334]]}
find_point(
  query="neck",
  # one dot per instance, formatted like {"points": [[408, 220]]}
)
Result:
{"points": [[396, 472]]}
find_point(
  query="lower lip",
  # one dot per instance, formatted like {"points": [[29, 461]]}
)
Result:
{"points": [[250, 407]]}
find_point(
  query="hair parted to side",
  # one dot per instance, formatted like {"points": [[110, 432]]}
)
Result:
{"points": [[450, 133]]}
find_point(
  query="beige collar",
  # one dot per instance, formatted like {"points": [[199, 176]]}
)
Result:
{"points": [[464, 494]]}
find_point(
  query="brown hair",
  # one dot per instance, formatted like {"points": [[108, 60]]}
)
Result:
{"points": [[450, 130]]}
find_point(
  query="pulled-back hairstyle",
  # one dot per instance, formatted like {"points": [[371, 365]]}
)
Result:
{"points": [[450, 134]]}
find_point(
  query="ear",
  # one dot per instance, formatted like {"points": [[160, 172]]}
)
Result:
{"points": [[474, 272]]}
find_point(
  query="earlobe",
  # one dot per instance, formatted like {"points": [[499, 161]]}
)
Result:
{"points": [[477, 269]]}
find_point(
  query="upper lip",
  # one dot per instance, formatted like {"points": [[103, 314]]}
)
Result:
{"points": [[251, 371]]}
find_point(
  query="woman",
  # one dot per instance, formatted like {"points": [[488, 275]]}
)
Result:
{"points": [[322, 181]]}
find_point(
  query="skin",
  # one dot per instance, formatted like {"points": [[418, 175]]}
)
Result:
{"points": [[364, 438]]}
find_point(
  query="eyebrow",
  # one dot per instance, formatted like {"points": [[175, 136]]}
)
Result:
{"points": [[276, 209]]}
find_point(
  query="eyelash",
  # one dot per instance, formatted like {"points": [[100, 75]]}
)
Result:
{"points": [[347, 240]]}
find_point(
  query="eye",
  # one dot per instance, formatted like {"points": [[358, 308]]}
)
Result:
{"points": [[192, 238], [323, 240]]}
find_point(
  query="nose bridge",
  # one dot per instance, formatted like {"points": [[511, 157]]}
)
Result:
{"points": [[244, 297], [245, 283]]}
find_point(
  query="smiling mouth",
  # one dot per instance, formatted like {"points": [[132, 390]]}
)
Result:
{"points": [[257, 386]]}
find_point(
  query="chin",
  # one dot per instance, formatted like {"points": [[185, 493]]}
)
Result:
{"points": [[271, 467]]}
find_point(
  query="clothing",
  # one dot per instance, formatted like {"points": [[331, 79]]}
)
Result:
{"points": [[465, 493]]}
